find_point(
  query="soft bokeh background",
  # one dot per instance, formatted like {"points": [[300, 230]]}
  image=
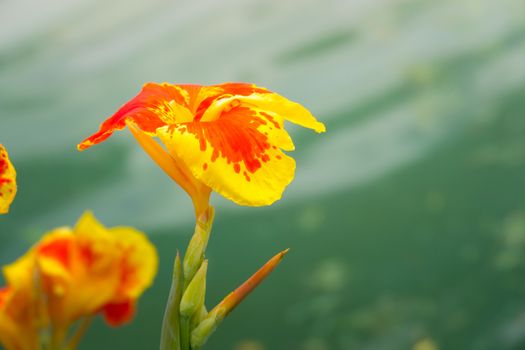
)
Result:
{"points": [[406, 219]]}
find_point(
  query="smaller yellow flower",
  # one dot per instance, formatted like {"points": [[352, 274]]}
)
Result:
{"points": [[79, 272], [7, 181]]}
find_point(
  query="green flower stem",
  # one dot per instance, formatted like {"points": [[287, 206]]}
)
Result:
{"points": [[197, 247], [188, 288], [185, 333], [187, 325], [46, 335], [79, 333], [170, 334], [192, 301]]}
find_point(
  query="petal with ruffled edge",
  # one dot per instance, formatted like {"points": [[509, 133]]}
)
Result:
{"points": [[156, 105], [7, 181], [238, 155], [269, 102]]}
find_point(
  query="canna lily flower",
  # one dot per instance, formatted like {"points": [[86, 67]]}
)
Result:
{"points": [[82, 271], [7, 181], [228, 138]]}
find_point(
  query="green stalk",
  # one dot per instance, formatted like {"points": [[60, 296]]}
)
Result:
{"points": [[177, 323], [185, 333], [171, 331], [79, 333]]}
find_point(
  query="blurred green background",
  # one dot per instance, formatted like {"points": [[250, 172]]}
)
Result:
{"points": [[406, 220]]}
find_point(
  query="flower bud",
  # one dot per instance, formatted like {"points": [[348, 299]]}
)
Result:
{"points": [[193, 297], [204, 330], [197, 247]]}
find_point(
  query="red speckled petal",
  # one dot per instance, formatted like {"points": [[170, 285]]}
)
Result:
{"points": [[165, 104], [156, 105], [7, 181], [238, 155]]}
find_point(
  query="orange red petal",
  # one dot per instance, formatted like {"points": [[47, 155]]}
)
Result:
{"points": [[143, 110], [117, 314], [157, 105]]}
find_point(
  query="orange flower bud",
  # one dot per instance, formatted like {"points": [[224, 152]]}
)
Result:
{"points": [[213, 319]]}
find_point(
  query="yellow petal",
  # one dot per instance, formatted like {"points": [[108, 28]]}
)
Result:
{"points": [[275, 131], [7, 181], [163, 159], [198, 192], [90, 231], [52, 254], [172, 112], [19, 274], [235, 178], [268, 102], [139, 261]]}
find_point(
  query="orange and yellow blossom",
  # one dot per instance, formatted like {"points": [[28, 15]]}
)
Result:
{"points": [[74, 273], [7, 181], [228, 138]]}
